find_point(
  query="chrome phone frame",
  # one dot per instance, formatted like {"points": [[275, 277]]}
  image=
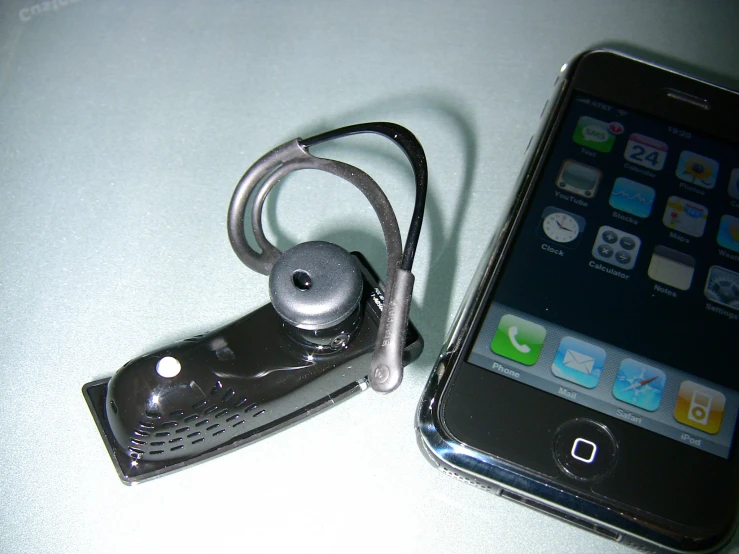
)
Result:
{"points": [[484, 470]]}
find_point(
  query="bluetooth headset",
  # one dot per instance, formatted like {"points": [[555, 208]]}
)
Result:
{"points": [[305, 351]]}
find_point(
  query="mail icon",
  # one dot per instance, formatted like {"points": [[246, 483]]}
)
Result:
{"points": [[578, 361]]}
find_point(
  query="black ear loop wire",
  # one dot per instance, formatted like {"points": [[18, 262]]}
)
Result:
{"points": [[417, 158], [386, 370]]}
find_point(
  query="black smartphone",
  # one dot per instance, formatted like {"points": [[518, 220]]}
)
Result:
{"points": [[593, 372]]}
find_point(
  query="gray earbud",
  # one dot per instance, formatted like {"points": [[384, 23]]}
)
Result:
{"points": [[315, 285]]}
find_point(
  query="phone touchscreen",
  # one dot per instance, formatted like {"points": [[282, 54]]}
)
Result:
{"points": [[621, 292]]}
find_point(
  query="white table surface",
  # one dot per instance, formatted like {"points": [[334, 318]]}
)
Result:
{"points": [[124, 127]]}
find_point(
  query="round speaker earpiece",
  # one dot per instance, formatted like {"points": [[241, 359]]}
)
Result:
{"points": [[315, 285]]}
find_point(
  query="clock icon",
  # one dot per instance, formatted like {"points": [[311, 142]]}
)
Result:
{"points": [[561, 226]]}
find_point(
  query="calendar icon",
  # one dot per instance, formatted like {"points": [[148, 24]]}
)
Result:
{"points": [[646, 151]]}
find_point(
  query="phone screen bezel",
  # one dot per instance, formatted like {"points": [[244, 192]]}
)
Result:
{"points": [[473, 394]]}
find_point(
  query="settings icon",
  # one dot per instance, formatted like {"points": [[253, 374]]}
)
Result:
{"points": [[722, 287]]}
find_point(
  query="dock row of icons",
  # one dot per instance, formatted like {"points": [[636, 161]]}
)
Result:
{"points": [[651, 153], [582, 363]]}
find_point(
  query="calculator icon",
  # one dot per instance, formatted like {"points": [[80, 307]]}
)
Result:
{"points": [[616, 247]]}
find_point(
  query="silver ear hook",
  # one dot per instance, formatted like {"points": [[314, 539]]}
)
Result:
{"points": [[386, 371], [261, 177]]}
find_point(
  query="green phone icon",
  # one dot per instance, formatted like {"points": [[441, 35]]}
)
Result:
{"points": [[518, 339]]}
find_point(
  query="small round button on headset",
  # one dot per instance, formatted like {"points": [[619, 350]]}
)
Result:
{"points": [[168, 367], [585, 449]]}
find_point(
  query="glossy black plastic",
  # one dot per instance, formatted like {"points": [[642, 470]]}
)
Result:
{"points": [[237, 384]]}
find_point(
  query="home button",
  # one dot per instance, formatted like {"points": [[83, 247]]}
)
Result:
{"points": [[585, 449]]}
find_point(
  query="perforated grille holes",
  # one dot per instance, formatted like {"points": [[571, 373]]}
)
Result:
{"points": [[208, 423]]}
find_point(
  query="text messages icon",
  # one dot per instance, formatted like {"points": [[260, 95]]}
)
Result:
{"points": [[594, 134], [700, 407], [579, 362]]}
